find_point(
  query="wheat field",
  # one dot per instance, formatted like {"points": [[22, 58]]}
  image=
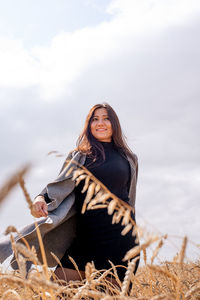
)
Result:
{"points": [[176, 279]]}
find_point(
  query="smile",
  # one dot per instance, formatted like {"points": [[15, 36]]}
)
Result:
{"points": [[101, 129]]}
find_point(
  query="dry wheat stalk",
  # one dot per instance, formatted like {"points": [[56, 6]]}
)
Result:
{"points": [[183, 249], [16, 281], [75, 265], [136, 250], [119, 297], [92, 294], [105, 275], [192, 291], [115, 273], [90, 271], [163, 297], [56, 259], [10, 229], [43, 283], [144, 255], [138, 291], [13, 244], [57, 153], [26, 194], [78, 294], [29, 201], [98, 196], [22, 265], [11, 295], [164, 272], [11, 182], [29, 254], [128, 276], [155, 252], [175, 258]]}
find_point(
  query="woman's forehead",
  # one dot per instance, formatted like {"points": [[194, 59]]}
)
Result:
{"points": [[100, 111]]}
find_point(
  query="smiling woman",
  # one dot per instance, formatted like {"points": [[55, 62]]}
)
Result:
{"points": [[101, 127], [102, 149]]}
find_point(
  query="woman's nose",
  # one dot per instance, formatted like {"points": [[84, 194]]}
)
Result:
{"points": [[100, 122]]}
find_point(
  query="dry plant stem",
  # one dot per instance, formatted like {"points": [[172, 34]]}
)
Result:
{"points": [[10, 229], [45, 266], [11, 293], [90, 271], [162, 297], [28, 199], [116, 275], [128, 275], [44, 259], [53, 276], [183, 249], [17, 281], [192, 291], [106, 274], [155, 253], [77, 296], [26, 194], [144, 255], [11, 182], [165, 272], [115, 204], [151, 282], [14, 250], [21, 248], [139, 291], [76, 267], [111, 195], [136, 250]]}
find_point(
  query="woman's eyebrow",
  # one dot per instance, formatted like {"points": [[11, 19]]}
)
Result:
{"points": [[100, 116]]}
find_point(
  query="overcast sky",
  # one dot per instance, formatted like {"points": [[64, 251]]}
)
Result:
{"points": [[59, 58]]}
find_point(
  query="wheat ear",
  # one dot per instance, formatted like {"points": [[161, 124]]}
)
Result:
{"points": [[128, 276], [11, 182]]}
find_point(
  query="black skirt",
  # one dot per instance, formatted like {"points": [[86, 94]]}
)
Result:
{"points": [[100, 241]]}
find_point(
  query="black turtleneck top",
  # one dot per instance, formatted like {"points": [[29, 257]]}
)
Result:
{"points": [[113, 172]]}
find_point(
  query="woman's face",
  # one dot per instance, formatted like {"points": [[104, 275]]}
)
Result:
{"points": [[101, 127]]}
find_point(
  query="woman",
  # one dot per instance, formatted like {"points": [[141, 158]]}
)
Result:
{"points": [[108, 157]]}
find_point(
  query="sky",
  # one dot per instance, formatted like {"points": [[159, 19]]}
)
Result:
{"points": [[59, 58]]}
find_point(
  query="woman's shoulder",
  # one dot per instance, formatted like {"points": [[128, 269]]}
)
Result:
{"points": [[133, 157], [77, 156], [74, 153]]}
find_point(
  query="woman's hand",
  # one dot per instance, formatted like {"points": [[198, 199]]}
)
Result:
{"points": [[39, 208]]}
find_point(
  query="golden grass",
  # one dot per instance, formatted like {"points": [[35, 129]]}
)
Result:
{"points": [[175, 279], [166, 281]]}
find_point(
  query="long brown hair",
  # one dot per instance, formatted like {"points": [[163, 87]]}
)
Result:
{"points": [[88, 144]]}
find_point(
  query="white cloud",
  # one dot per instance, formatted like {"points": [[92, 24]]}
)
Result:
{"points": [[18, 68], [55, 67], [147, 15]]}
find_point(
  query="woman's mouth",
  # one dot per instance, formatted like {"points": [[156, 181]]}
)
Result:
{"points": [[101, 129]]}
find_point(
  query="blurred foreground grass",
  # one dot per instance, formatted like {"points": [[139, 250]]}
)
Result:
{"points": [[176, 279]]}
